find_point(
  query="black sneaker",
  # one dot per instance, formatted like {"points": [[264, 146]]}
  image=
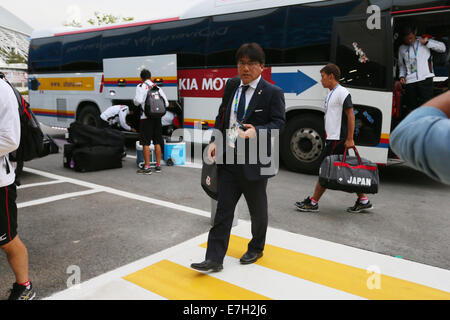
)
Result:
{"points": [[147, 171], [157, 169], [359, 207], [19, 292], [307, 206]]}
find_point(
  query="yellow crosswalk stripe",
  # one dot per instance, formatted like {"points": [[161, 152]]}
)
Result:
{"points": [[336, 275], [175, 282]]}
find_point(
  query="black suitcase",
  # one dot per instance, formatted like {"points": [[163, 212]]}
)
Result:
{"points": [[85, 135], [68, 152], [96, 158], [349, 174]]}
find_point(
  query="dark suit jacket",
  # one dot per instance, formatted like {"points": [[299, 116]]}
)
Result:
{"points": [[266, 111]]}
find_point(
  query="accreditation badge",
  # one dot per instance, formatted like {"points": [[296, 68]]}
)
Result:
{"points": [[232, 135], [413, 66]]}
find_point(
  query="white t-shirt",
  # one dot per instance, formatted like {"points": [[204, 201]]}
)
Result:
{"points": [[336, 102]]}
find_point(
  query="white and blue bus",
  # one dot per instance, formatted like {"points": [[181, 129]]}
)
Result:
{"points": [[74, 74]]}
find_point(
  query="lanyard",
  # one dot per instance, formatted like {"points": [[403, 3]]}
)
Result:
{"points": [[329, 98], [236, 102], [415, 51]]}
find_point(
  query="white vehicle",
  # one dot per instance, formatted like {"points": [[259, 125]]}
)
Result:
{"points": [[76, 74]]}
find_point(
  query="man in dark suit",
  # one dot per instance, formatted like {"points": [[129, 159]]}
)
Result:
{"points": [[251, 108]]}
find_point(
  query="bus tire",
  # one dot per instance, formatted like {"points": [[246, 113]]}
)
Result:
{"points": [[303, 143], [90, 115]]}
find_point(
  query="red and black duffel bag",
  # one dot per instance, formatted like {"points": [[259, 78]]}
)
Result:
{"points": [[349, 173]]}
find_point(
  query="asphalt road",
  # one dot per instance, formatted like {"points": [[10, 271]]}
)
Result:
{"points": [[104, 230]]}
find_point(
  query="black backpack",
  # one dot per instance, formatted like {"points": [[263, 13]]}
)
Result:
{"points": [[31, 136], [155, 106]]}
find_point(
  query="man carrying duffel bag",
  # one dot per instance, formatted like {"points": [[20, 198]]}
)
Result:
{"points": [[339, 128]]}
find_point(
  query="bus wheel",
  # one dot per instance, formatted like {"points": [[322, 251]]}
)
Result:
{"points": [[90, 115], [302, 144]]}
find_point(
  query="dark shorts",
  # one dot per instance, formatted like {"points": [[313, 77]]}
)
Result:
{"points": [[151, 129], [8, 214], [334, 147]]}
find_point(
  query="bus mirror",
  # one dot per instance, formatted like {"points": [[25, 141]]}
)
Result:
{"points": [[34, 84]]}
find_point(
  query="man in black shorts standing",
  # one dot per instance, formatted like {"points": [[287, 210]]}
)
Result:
{"points": [[339, 128], [150, 129]]}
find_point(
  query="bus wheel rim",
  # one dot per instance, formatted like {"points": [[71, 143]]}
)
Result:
{"points": [[306, 145]]}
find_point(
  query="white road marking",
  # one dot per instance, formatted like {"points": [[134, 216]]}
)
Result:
{"points": [[276, 284], [57, 197], [121, 193], [189, 251], [38, 184]]}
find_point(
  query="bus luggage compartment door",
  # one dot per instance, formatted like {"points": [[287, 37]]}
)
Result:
{"points": [[122, 75]]}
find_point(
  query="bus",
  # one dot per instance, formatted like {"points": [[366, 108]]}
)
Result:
{"points": [[76, 74]]}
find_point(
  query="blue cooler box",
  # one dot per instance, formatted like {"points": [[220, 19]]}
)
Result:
{"points": [[176, 151], [140, 156]]}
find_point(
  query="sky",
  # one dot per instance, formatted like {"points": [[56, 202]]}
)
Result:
{"points": [[45, 14]]}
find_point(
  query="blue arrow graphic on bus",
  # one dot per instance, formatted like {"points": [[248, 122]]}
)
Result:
{"points": [[293, 82]]}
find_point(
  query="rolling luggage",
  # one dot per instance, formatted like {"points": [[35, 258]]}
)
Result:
{"points": [[86, 135], [349, 174], [96, 158], [67, 155]]}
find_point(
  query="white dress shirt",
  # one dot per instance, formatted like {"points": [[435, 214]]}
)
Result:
{"points": [[237, 96]]}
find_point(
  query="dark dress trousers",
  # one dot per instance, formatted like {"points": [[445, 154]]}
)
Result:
{"points": [[247, 179]]}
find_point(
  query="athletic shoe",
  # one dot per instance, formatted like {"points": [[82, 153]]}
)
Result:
{"points": [[359, 207], [157, 169], [307, 206], [147, 171], [19, 292]]}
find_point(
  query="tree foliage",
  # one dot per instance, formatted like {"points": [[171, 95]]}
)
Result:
{"points": [[73, 23], [107, 18], [11, 56]]}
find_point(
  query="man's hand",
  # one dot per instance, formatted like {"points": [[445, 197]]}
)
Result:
{"points": [[133, 130], [250, 133], [212, 152], [349, 143], [424, 40], [402, 81]]}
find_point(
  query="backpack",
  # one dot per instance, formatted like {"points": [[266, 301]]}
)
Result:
{"points": [[31, 144], [155, 106]]}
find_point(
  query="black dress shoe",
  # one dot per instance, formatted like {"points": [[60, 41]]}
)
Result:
{"points": [[207, 265], [250, 257]]}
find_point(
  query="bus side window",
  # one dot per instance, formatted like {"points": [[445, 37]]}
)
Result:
{"points": [[367, 125]]}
